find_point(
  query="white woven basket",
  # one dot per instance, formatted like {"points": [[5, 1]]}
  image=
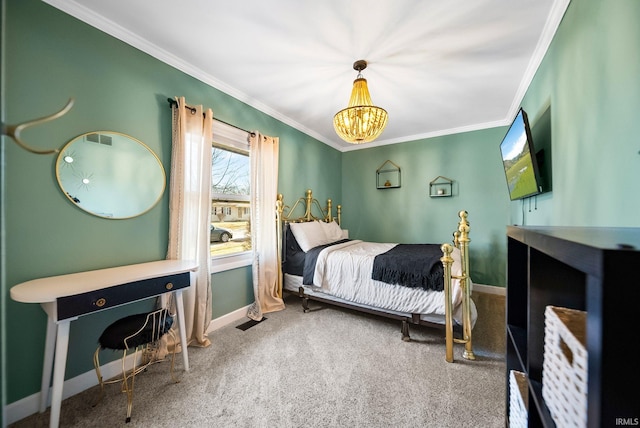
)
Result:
{"points": [[518, 399], [565, 368]]}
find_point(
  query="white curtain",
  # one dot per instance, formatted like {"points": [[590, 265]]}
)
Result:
{"points": [[190, 211], [264, 188]]}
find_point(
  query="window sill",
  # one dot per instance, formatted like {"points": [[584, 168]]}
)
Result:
{"points": [[232, 261]]}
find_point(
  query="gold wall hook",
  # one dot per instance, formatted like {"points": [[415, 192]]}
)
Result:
{"points": [[14, 131]]}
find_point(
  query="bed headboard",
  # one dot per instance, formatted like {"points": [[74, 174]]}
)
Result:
{"points": [[313, 211], [286, 213]]}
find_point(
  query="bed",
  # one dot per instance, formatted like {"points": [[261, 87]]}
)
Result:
{"points": [[419, 284]]}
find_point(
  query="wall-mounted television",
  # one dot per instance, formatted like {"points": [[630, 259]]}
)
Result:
{"points": [[519, 159]]}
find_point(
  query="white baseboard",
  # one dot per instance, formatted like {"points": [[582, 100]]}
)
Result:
{"points": [[29, 405], [227, 319], [489, 289]]}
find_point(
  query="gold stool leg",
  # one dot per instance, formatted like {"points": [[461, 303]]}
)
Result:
{"points": [[173, 357], [96, 364], [126, 378]]}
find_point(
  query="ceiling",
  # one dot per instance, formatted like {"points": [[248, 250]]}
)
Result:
{"points": [[437, 67]]}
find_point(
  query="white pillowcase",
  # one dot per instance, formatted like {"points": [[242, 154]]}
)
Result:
{"points": [[309, 234], [332, 231]]}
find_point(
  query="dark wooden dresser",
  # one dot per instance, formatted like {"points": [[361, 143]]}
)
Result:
{"points": [[588, 269]]}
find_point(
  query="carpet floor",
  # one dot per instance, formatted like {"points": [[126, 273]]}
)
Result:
{"points": [[330, 367]]}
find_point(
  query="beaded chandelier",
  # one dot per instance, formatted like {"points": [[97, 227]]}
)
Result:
{"points": [[361, 122]]}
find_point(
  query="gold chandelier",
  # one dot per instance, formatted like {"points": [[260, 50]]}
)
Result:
{"points": [[361, 122]]}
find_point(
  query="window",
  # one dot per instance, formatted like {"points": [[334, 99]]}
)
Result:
{"points": [[230, 198]]}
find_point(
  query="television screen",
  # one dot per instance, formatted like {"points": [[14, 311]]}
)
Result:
{"points": [[519, 159]]}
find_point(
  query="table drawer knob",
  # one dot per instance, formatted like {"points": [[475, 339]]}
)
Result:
{"points": [[169, 286], [101, 302]]}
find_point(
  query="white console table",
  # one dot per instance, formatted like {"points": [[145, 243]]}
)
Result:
{"points": [[66, 297]]}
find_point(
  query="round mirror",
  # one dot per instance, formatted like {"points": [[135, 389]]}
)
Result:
{"points": [[110, 175]]}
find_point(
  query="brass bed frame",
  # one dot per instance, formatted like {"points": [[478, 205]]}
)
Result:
{"points": [[285, 214]]}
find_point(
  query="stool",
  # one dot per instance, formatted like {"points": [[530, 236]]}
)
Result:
{"points": [[137, 332]]}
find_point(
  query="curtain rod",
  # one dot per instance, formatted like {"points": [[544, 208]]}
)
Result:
{"points": [[173, 102]]}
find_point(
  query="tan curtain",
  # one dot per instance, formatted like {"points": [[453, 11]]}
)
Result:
{"points": [[190, 211], [264, 188]]}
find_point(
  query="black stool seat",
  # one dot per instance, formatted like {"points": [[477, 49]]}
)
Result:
{"points": [[135, 333], [136, 328]]}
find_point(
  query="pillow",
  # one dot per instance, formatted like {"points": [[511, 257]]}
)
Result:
{"points": [[332, 231], [293, 256], [291, 244], [309, 234]]}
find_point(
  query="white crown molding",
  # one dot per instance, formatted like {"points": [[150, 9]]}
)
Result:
{"points": [[556, 14], [98, 21], [424, 136]]}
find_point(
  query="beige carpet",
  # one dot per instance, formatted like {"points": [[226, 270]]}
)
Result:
{"points": [[327, 368]]}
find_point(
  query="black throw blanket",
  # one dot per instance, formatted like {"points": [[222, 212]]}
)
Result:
{"points": [[411, 265]]}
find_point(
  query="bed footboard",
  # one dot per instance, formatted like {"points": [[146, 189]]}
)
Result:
{"points": [[461, 241], [285, 214]]}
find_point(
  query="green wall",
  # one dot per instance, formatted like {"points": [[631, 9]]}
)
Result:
{"points": [[582, 105], [582, 100], [590, 82], [407, 214], [51, 57]]}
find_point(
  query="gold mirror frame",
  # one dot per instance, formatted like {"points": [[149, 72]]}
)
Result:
{"points": [[110, 174]]}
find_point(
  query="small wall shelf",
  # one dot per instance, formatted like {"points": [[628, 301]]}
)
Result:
{"points": [[388, 176], [441, 187]]}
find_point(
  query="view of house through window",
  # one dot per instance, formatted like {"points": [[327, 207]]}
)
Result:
{"points": [[230, 203]]}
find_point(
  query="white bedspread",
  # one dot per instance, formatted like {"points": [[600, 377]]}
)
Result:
{"points": [[344, 270]]}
